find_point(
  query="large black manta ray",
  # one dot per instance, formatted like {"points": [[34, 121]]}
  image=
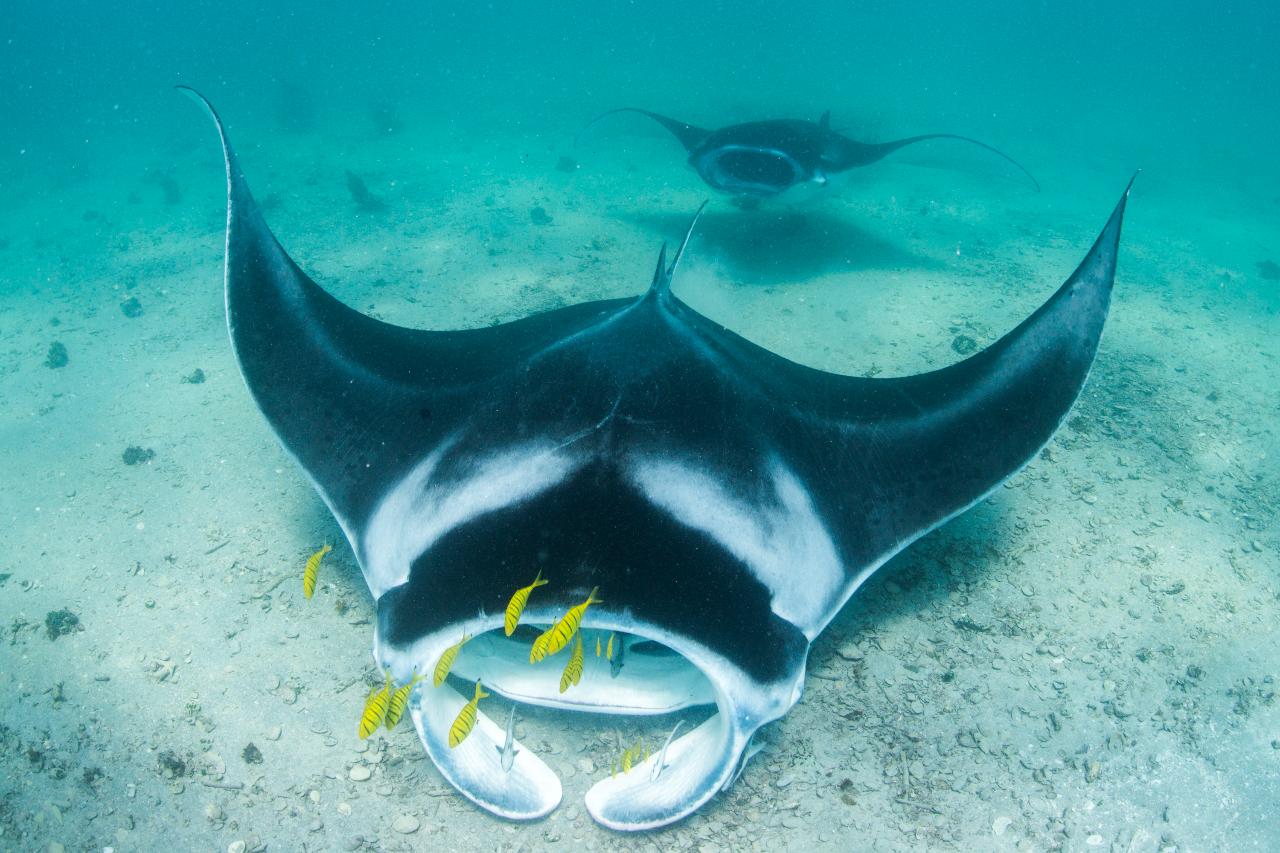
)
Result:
{"points": [[727, 502], [761, 159]]}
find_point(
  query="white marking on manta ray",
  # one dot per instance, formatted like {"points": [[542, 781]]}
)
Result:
{"points": [[418, 511], [786, 546]]}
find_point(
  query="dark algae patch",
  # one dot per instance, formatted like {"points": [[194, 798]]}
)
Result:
{"points": [[57, 356], [195, 377], [136, 455], [131, 307], [59, 622], [539, 216], [171, 765], [1269, 270], [360, 194], [251, 754], [964, 344]]}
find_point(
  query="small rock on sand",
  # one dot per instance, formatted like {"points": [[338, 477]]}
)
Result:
{"points": [[406, 824], [360, 773]]}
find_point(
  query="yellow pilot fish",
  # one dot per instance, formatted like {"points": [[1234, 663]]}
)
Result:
{"points": [[466, 719], [375, 709], [634, 753], [518, 600], [446, 660], [313, 569], [538, 650], [597, 645], [399, 699], [573, 669], [609, 651], [564, 630]]}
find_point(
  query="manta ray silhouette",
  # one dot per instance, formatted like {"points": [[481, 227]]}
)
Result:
{"points": [[727, 502], [765, 158]]}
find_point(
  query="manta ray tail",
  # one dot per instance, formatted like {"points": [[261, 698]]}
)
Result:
{"points": [[688, 135], [869, 153]]}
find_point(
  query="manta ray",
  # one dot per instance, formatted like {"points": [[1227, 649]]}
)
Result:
{"points": [[726, 502], [761, 159]]}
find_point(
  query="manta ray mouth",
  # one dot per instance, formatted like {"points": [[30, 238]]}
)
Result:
{"points": [[749, 170], [653, 672]]}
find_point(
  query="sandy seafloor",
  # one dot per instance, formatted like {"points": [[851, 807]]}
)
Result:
{"points": [[1086, 660]]}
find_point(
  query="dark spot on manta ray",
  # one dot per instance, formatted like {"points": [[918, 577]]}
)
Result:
{"points": [[1269, 270], [131, 307], [57, 356], [135, 455], [251, 754], [964, 344], [539, 216], [59, 622], [360, 194]]}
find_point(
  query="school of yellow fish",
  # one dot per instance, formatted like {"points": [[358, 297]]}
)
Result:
{"points": [[385, 705]]}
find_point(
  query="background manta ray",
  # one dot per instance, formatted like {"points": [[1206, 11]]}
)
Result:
{"points": [[727, 502], [759, 159]]}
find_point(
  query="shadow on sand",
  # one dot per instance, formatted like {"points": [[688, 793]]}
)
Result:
{"points": [[785, 246]]}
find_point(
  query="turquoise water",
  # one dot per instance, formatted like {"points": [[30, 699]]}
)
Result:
{"points": [[1086, 660]]}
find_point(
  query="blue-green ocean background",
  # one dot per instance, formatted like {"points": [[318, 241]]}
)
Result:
{"points": [[1124, 589], [1172, 87]]}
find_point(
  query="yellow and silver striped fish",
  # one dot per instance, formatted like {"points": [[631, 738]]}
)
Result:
{"points": [[313, 569], [538, 650], [562, 632], [518, 600], [375, 709], [608, 655], [399, 700], [466, 719], [573, 669], [630, 755], [446, 660]]}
